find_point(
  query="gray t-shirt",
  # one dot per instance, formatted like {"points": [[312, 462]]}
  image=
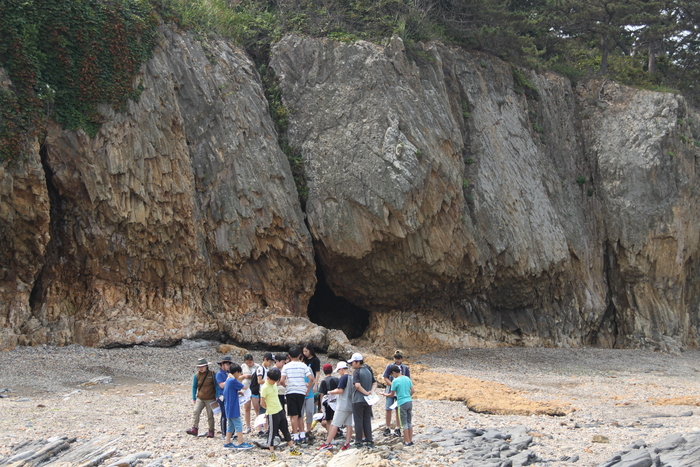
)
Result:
{"points": [[345, 399], [365, 377]]}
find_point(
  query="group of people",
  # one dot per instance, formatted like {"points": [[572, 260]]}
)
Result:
{"points": [[293, 380]]}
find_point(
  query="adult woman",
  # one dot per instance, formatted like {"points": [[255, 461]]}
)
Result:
{"points": [[314, 363]]}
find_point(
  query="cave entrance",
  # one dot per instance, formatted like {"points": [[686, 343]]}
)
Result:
{"points": [[328, 310]]}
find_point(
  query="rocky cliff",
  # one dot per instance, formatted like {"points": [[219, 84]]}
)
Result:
{"points": [[451, 198], [464, 202], [179, 218]]}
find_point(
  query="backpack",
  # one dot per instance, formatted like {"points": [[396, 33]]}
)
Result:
{"points": [[254, 385]]}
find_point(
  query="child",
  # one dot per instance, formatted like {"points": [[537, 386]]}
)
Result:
{"points": [[249, 374], [328, 400], [233, 409], [298, 380], [276, 417], [402, 389], [281, 359], [343, 412], [260, 377], [405, 371]]}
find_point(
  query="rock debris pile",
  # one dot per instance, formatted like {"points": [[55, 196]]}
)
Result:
{"points": [[474, 447], [671, 451]]}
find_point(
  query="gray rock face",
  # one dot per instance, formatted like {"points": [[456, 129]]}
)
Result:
{"points": [[179, 217], [672, 451], [460, 212], [442, 200]]}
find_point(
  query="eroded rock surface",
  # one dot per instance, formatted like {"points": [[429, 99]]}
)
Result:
{"points": [[453, 199], [179, 217], [461, 208]]}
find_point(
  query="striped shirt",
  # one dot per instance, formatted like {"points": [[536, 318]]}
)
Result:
{"points": [[297, 374]]}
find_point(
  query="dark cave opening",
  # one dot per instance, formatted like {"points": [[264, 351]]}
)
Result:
{"points": [[333, 312], [36, 296]]}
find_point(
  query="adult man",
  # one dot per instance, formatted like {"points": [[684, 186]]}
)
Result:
{"points": [[398, 361], [203, 394], [221, 376], [298, 380], [365, 385]]}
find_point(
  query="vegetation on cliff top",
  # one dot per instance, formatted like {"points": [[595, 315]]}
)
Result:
{"points": [[64, 58]]}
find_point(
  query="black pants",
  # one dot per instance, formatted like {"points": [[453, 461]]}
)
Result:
{"points": [[362, 416], [277, 422], [224, 421]]}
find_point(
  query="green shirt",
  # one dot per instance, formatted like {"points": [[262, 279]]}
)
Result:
{"points": [[268, 392], [402, 387]]}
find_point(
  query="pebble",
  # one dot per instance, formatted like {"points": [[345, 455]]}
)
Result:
{"points": [[159, 383]]}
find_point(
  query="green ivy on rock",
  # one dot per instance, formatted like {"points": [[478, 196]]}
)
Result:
{"points": [[65, 58]]}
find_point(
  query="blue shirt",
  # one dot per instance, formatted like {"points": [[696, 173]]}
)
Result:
{"points": [[233, 408], [221, 376]]}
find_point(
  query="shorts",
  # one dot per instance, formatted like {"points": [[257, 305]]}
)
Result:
{"points": [[283, 399], [342, 418], [309, 409], [330, 413], [235, 425], [405, 414], [295, 404], [389, 402]]}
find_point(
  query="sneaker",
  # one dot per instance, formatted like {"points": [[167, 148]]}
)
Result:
{"points": [[358, 445], [297, 441], [339, 434], [273, 458], [345, 447], [410, 443], [325, 447], [387, 431], [194, 431], [262, 434], [246, 430], [210, 434], [244, 447], [397, 433], [230, 446], [369, 444], [294, 452]]}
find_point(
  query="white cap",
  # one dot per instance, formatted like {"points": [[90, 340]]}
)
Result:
{"points": [[341, 365], [356, 357]]}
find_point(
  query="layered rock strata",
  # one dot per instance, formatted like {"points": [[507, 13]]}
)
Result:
{"points": [[464, 202], [458, 200], [179, 217]]}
